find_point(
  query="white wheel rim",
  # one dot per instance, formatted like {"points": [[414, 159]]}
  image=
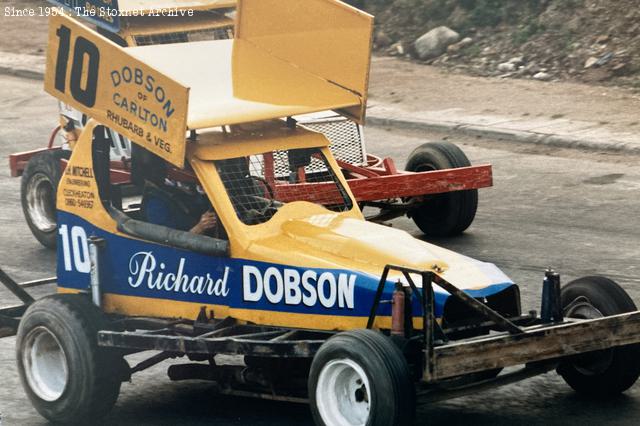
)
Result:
{"points": [[343, 394], [41, 202], [599, 364], [45, 364]]}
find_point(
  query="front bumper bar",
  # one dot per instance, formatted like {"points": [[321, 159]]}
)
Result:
{"points": [[535, 343]]}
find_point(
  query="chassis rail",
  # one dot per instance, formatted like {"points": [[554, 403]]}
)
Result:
{"points": [[10, 316], [223, 337]]}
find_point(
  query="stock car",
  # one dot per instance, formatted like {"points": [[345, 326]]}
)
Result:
{"points": [[360, 320]]}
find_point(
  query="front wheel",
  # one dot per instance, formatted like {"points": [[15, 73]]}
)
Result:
{"points": [[445, 214], [65, 374], [360, 377], [602, 373]]}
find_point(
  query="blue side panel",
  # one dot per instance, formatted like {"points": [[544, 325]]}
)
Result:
{"points": [[142, 269], [103, 13]]}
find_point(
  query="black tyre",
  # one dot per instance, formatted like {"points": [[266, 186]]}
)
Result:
{"points": [[361, 377], [602, 373], [65, 374], [445, 214], [38, 195]]}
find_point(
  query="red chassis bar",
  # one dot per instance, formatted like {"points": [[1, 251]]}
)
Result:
{"points": [[407, 184], [393, 186], [18, 162], [379, 180]]}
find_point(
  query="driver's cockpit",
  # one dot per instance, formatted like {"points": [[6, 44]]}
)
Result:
{"points": [[260, 184]]}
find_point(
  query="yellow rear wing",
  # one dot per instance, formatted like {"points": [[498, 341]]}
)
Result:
{"points": [[327, 38], [154, 94]]}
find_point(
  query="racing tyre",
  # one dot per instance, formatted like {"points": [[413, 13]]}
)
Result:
{"points": [[66, 375], [38, 194], [360, 377], [445, 214], [602, 373]]}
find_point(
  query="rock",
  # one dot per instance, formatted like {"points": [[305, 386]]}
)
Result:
{"points": [[517, 61], [604, 59], [467, 41], [396, 49], [619, 69], [382, 40], [506, 67], [435, 42], [542, 76], [590, 62]]}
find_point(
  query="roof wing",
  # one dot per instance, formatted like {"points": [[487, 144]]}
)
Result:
{"points": [[327, 38]]}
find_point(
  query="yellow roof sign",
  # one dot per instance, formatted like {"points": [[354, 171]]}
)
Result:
{"points": [[97, 77]]}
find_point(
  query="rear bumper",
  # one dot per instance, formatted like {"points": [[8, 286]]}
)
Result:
{"points": [[409, 184]]}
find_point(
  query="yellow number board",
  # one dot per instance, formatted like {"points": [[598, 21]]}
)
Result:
{"points": [[97, 77]]}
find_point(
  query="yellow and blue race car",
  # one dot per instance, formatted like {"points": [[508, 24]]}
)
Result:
{"points": [[238, 234]]}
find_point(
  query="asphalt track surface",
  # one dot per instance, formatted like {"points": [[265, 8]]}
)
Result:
{"points": [[577, 212]]}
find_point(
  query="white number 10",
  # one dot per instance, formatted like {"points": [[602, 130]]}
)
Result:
{"points": [[75, 245]]}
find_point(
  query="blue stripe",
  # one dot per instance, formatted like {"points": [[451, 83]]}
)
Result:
{"points": [[123, 259]]}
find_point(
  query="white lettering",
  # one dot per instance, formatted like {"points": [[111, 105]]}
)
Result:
{"points": [[330, 300], [309, 279], [346, 290], [295, 288], [248, 294], [292, 292], [220, 287], [273, 274], [139, 268], [144, 269]]}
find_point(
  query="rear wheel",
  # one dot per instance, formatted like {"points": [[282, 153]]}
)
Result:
{"points": [[360, 377], [445, 214], [601, 373], [38, 194], [65, 374]]}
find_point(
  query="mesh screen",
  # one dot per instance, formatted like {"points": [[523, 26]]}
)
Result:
{"points": [[346, 144], [208, 34], [257, 190]]}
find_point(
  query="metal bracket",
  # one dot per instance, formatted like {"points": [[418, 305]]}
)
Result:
{"points": [[15, 288], [95, 246]]}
